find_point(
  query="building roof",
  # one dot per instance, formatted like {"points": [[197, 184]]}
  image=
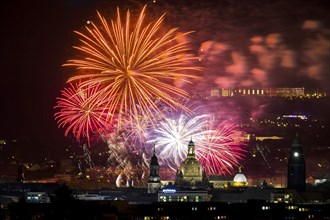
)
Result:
{"points": [[240, 178]]}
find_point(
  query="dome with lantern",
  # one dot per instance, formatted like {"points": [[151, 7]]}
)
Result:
{"points": [[240, 179], [191, 174]]}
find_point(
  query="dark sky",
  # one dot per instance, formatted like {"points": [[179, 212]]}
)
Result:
{"points": [[37, 38]]}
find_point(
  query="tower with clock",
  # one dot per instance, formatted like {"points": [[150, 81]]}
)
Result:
{"points": [[297, 167], [154, 180]]}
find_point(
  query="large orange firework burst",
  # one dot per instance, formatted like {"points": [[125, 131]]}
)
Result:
{"points": [[136, 65]]}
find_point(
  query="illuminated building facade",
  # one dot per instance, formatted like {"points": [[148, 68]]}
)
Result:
{"points": [[290, 92], [191, 183], [36, 197], [285, 92], [266, 92], [174, 195]]}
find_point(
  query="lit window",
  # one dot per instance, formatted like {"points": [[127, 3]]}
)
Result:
{"points": [[265, 207], [213, 208]]}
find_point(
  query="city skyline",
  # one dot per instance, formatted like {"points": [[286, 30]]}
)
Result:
{"points": [[37, 42]]}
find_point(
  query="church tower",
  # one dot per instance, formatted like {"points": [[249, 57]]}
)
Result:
{"points": [[154, 180], [190, 174], [296, 167]]}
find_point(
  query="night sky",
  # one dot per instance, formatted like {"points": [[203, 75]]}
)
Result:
{"points": [[244, 43], [36, 39]]}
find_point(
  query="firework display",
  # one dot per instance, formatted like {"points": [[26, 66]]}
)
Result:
{"points": [[124, 92], [221, 147], [173, 135], [131, 165], [79, 113], [135, 65], [218, 147]]}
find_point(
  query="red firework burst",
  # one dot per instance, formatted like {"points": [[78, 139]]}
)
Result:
{"points": [[80, 113]]}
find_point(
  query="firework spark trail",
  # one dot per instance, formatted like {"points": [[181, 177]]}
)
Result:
{"points": [[137, 132], [79, 113], [220, 149], [215, 145], [88, 158], [263, 152], [117, 147], [173, 136], [131, 164], [135, 65]]}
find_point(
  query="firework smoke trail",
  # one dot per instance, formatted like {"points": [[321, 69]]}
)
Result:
{"points": [[117, 147], [135, 65], [264, 151], [217, 147], [129, 162], [88, 158], [137, 132], [118, 155], [80, 114]]}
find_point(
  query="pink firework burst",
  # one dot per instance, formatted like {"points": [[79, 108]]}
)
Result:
{"points": [[221, 147], [80, 113]]}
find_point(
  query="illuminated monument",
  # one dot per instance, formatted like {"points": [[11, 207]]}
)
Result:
{"points": [[240, 179], [191, 174], [191, 184], [296, 167]]}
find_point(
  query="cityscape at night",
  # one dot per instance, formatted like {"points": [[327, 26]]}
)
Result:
{"points": [[165, 109]]}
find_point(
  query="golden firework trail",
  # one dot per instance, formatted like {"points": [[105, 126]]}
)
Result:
{"points": [[135, 64]]}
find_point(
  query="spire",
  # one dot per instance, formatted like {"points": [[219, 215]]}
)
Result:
{"points": [[154, 179], [154, 159]]}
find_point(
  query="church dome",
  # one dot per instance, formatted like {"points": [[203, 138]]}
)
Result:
{"points": [[191, 168], [240, 178], [190, 173]]}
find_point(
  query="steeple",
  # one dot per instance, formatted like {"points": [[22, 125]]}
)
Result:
{"points": [[154, 179], [154, 159]]}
